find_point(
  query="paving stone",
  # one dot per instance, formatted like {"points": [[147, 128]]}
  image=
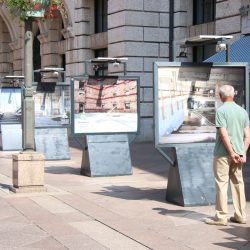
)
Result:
{"points": [[80, 212], [107, 236], [46, 243]]}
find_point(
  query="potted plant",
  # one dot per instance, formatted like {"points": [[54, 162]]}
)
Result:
{"points": [[34, 8]]}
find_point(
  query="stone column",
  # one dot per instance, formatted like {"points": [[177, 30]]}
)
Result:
{"points": [[28, 166]]}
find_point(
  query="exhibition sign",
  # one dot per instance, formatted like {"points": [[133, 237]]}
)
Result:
{"points": [[52, 104], [104, 104], [186, 98]]}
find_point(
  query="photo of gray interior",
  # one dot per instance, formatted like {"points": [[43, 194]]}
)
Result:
{"points": [[187, 98]]}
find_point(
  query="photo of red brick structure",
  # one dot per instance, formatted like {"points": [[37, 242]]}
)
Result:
{"points": [[115, 99]]}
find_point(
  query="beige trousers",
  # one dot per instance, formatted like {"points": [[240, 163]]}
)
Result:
{"points": [[226, 170]]}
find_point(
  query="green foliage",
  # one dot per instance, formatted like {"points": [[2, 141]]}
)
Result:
{"points": [[26, 8]]}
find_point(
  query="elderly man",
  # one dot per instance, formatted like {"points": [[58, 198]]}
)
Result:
{"points": [[232, 141]]}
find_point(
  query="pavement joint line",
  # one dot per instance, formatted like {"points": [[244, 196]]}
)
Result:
{"points": [[94, 219], [37, 225]]}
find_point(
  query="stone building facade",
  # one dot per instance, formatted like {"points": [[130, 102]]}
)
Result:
{"points": [[144, 31]]}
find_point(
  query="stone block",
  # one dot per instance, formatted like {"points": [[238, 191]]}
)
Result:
{"points": [[146, 130], [117, 19], [146, 79], [180, 5], [156, 34], [158, 6], [141, 95], [135, 64], [141, 49], [245, 24], [180, 19], [180, 33], [99, 40], [82, 15], [78, 55], [28, 169], [82, 42], [82, 3], [75, 69], [116, 49], [228, 26], [50, 48], [164, 19], [117, 6], [125, 33], [146, 109], [133, 49], [150, 19], [227, 8], [82, 28], [148, 95], [164, 50], [132, 18]]}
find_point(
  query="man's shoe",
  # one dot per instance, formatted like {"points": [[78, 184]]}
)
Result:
{"points": [[240, 221], [216, 222]]}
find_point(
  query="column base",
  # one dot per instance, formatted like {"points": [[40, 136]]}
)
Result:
{"points": [[31, 189], [28, 172]]}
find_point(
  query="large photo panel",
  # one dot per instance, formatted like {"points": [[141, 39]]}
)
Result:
{"points": [[187, 96], [107, 104], [52, 104]]}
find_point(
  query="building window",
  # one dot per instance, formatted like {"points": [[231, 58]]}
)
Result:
{"points": [[201, 53], [127, 105], [203, 11], [101, 16]]}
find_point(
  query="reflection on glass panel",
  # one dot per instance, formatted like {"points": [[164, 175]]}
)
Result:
{"points": [[52, 105], [10, 105], [105, 105], [188, 98]]}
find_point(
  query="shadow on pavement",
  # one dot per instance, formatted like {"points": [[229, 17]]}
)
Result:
{"points": [[132, 193], [144, 156], [181, 213], [4, 186], [235, 240], [62, 170]]}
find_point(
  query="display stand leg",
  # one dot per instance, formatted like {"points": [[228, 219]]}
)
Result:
{"points": [[106, 155], [191, 179]]}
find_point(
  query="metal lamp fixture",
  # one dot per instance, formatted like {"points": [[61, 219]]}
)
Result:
{"points": [[183, 53]]}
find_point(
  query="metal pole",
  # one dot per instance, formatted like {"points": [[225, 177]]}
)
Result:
{"points": [[227, 52], [28, 121]]}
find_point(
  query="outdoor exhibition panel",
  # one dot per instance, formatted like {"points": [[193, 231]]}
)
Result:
{"points": [[186, 98], [52, 117], [52, 104], [105, 109], [106, 104], [10, 117]]}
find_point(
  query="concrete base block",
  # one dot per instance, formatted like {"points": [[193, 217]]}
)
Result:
{"points": [[31, 189], [28, 171]]}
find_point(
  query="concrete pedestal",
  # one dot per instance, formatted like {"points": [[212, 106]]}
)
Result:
{"points": [[28, 172], [106, 155]]}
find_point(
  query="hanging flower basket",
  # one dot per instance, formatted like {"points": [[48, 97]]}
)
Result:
{"points": [[35, 8]]}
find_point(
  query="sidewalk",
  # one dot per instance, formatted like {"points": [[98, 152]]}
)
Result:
{"points": [[125, 212]]}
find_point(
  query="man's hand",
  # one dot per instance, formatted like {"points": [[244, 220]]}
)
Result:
{"points": [[243, 158], [236, 158]]}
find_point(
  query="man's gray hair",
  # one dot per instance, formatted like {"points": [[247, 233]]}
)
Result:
{"points": [[226, 90]]}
